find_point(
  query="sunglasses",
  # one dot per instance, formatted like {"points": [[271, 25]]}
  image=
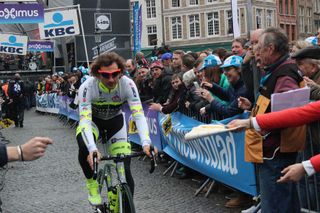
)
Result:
{"points": [[108, 74]]}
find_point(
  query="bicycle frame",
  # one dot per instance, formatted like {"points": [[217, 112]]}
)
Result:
{"points": [[114, 191]]}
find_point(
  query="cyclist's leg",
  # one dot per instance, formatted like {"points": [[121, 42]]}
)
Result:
{"points": [[92, 185], [117, 132], [82, 157]]}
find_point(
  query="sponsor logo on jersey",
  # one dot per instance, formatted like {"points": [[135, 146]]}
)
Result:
{"points": [[116, 98]]}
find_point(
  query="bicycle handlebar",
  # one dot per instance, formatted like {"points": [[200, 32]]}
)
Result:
{"points": [[121, 158]]}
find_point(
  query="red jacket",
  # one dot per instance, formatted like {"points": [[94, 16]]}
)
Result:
{"points": [[290, 117], [315, 161]]}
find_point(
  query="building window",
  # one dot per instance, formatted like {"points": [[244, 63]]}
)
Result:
{"points": [[212, 1], [213, 23], [175, 3], [309, 27], [193, 2], [151, 8], [280, 7], [292, 7], [229, 22], [194, 26], [269, 18], [301, 19], [176, 27], [152, 35], [293, 27], [259, 18]]}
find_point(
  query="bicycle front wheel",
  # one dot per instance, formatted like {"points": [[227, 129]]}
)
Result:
{"points": [[126, 199]]}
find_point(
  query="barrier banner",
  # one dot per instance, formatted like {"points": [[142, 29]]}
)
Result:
{"points": [[73, 114], [47, 103], [63, 108], [153, 124], [219, 156]]}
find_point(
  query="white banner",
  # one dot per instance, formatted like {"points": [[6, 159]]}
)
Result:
{"points": [[13, 44], [236, 30], [59, 24]]}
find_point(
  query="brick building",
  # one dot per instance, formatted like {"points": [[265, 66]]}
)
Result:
{"points": [[305, 20]]}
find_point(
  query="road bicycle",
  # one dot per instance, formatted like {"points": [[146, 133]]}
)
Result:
{"points": [[115, 192]]}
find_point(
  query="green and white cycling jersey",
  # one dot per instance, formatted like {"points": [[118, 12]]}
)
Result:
{"points": [[96, 100]]}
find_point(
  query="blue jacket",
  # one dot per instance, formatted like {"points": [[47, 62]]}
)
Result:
{"points": [[230, 95]]}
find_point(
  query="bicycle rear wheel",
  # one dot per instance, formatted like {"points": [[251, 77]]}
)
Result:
{"points": [[127, 199]]}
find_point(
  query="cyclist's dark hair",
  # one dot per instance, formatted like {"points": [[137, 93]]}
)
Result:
{"points": [[106, 60]]}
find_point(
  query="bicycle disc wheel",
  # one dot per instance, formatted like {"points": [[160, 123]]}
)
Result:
{"points": [[127, 199]]}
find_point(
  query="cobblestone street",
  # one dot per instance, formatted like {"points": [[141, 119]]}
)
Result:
{"points": [[55, 183]]}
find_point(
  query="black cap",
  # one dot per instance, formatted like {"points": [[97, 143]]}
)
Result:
{"points": [[312, 52]]}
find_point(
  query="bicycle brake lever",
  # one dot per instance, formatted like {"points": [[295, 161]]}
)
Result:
{"points": [[152, 160], [95, 166]]}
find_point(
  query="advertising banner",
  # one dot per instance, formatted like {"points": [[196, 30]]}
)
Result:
{"points": [[73, 114], [63, 108], [59, 24], [40, 46], [47, 103], [13, 44], [104, 47], [153, 124], [136, 28], [21, 13], [103, 22], [219, 156]]}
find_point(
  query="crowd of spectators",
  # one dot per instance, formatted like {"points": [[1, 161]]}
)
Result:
{"points": [[22, 62], [219, 84]]}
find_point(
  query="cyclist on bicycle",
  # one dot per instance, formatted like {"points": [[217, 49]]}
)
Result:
{"points": [[100, 100]]}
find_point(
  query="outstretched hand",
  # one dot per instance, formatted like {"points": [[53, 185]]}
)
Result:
{"points": [[244, 103], [240, 124], [35, 148], [292, 173]]}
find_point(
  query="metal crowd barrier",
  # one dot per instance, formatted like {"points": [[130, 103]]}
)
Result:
{"points": [[309, 187]]}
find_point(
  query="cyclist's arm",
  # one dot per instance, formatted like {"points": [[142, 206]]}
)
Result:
{"points": [[137, 112], [85, 114]]}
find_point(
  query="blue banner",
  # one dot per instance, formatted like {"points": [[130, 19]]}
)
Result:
{"points": [[48, 103], [63, 108], [136, 28], [219, 156], [21, 13], [153, 123], [73, 114]]}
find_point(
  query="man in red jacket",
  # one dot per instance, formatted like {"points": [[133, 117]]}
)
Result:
{"points": [[284, 119]]}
